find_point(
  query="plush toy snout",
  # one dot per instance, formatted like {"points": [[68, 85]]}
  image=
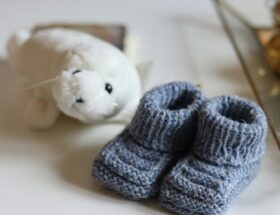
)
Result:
{"points": [[85, 95]]}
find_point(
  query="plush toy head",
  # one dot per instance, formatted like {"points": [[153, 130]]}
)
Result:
{"points": [[85, 95], [96, 83]]}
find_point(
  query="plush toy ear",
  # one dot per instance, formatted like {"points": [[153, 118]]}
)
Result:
{"points": [[74, 57], [144, 69]]}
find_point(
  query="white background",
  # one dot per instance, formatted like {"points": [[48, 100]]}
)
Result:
{"points": [[49, 172]]}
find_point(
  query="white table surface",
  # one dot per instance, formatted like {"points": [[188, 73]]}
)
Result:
{"points": [[49, 172]]}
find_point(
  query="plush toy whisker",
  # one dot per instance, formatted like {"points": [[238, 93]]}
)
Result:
{"points": [[129, 109], [115, 104], [43, 83]]}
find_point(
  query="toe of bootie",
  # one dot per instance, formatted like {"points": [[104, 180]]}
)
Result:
{"points": [[129, 168], [194, 188]]}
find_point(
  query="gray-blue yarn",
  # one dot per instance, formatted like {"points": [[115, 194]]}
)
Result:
{"points": [[224, 159], [163, 126]]}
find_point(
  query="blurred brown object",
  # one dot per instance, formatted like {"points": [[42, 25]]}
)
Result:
{"points": [[265, 35], [276, 13], [269, 39], [114, 34], [272, 53]]}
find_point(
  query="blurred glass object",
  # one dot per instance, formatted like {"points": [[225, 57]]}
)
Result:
{"points": [[249, 44]]}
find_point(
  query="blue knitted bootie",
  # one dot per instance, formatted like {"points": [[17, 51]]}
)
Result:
{"points": [[163, 126], [224, 159]]}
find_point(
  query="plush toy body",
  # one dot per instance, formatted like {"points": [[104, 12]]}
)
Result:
{"points": [[75, 73]]}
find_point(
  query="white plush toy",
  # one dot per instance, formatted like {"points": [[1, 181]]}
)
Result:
{"points": [[75, 73]]}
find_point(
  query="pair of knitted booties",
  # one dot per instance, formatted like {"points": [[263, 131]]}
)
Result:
{"points": [[196, 154]]}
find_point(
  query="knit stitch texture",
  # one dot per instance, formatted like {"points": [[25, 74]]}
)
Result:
{"points": [[223, 161], [162, 128]]}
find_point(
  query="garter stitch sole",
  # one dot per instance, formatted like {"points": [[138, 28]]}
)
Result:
{"points": [[163, 127], [109, 168], [224, 160]]}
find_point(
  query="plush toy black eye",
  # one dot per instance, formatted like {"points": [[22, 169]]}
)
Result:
{"points": [[76, 71], [80, 100], [108, 88]]}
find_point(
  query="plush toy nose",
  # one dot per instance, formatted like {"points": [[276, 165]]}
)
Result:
{"points": [[76, 71]]}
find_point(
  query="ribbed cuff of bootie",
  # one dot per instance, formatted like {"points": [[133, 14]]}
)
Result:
{"points": [[231, 130], [166, 117]]}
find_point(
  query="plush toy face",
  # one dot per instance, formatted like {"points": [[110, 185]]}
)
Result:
{"points": [[85, 95]]}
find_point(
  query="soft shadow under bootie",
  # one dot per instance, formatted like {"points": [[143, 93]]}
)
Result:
{"points": [[162, 127], [224, 159]]}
